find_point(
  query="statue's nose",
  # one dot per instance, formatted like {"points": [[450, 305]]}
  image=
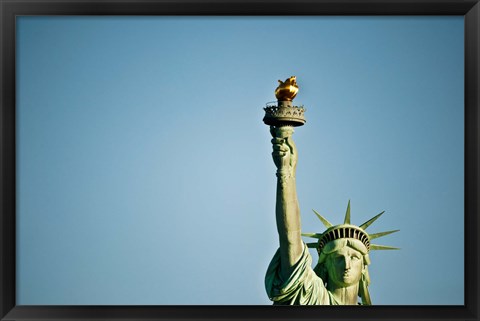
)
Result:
{"points": [[347, 263]]}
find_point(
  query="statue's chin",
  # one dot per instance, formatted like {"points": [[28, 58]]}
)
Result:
{"points": [[349, 281], [346, 281]]}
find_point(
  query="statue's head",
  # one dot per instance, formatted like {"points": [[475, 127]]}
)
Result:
{"points": [[345, 262], [343, 254]]}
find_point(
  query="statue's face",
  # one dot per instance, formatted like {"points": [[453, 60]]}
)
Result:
{"points": [[345, 267]]}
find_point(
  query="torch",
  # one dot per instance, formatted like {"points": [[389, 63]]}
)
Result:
{"points": [[283, 112]]}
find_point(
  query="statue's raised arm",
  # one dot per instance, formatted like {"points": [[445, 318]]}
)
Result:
{"points": [[340, 276], [287, 209]]}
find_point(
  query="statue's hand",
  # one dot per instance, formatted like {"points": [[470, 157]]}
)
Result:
{"points": [[284, 151]]}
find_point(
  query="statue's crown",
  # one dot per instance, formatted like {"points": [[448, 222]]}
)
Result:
{"points": [[347, 230], [343, 231]]}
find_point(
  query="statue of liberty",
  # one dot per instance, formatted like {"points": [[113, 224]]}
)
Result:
{"points": [[340, 276]]}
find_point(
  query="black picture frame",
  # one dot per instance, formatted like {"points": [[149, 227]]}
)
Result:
{"points": [[10, 9]]}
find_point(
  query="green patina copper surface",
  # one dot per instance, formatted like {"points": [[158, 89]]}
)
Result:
{"points": [[340, 276]]}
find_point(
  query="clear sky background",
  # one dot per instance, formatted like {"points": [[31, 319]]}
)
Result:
{"points": [[144, 168]]}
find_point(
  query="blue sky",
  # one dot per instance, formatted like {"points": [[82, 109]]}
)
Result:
{"points": [[144, 169]]}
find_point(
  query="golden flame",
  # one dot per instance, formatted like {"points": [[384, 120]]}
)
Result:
{"points": [[287, 90]]}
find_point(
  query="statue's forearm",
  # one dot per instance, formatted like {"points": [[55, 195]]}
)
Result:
{"points": [[287, 209], [288, 223]]}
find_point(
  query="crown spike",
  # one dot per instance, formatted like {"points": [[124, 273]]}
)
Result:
{"points": [[324, 220], [312, 245], [312, 235], [377, 235], [370, 221], [382, 247], [347, 214]]}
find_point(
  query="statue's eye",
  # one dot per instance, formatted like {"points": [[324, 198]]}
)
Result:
{"points": [[338, 258]]}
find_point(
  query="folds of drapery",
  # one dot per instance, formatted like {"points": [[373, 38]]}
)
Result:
{"points": [[302, 287]]}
